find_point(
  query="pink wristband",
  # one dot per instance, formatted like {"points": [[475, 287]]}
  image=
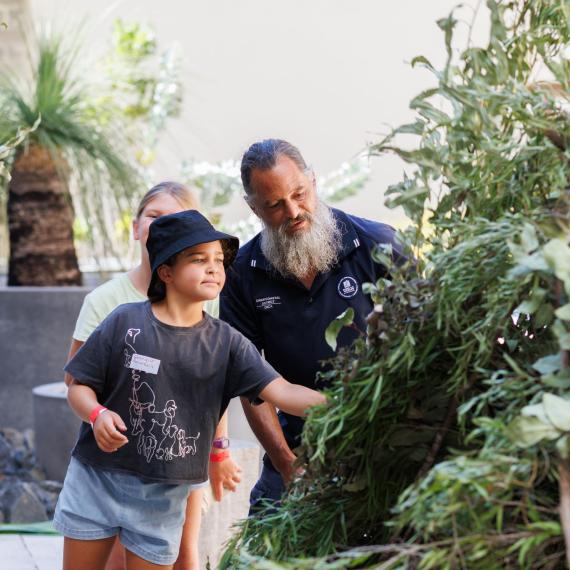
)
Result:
{"points": [[95, 412]]}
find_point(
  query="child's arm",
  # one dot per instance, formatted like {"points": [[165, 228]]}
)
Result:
{"points": [[83, 401], [223, 474], [291, 398]]}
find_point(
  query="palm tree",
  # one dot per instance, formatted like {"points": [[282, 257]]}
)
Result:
{"points": [[71, 147]]}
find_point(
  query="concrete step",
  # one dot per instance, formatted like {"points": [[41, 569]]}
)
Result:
{"points": [[31, 552]]}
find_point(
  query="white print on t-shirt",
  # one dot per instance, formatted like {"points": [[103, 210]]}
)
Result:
{"points": [[158, 436]]}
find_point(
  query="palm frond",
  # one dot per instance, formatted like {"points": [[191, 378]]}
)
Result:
{"points": [[96, 153]]}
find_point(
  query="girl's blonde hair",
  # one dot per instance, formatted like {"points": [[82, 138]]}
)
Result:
{"points": [[178, 191]]}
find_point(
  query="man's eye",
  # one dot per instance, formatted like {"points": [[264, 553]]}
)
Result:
{"points": [[300, 195], [273, 206]]}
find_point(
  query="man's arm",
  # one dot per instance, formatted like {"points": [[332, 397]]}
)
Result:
{"points": [[265, 425], [238, 312]]}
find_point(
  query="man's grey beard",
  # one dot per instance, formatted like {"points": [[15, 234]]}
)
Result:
{"points": [[313, 250]]}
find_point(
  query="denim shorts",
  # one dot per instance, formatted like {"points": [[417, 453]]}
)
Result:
{"points": [[148, 517]]}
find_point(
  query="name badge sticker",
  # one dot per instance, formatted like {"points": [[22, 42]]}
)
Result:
{"points": [[145, 363]]}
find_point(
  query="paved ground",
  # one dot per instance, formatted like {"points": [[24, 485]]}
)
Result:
{"points": [[30, 552]]}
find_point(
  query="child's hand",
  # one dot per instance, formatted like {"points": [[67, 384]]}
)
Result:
{"points": [[106, 431], [224, 474]]}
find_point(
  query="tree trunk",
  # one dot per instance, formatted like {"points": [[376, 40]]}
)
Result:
{"points": [[40, 222]]}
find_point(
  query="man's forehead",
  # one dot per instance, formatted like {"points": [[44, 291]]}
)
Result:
{"points": [[285, 175]]}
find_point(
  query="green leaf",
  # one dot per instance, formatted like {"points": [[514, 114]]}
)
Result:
{"points": [[529, 241], [531, 305], [558, 411], [422, 60], [563, 312], [563, 447], [557, 256], [382, 254], [536, 410], [548, 364], [526, 431], [357, 485], [415, 128], [562, 335], [344, 319], [559, 380]]}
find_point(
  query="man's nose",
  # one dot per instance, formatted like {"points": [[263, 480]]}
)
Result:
{"points": [[292, 209]]}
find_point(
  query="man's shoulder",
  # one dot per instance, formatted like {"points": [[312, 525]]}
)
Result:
{"points": [[246, 252], [369, 231]]}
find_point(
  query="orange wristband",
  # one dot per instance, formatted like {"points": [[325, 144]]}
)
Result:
{"points": [[217, 457]]}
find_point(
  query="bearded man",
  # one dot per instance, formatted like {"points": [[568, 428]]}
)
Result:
{"points": [[289, 282]]}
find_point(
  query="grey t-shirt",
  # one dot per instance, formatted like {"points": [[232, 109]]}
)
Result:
{"points": [[170, 385]]}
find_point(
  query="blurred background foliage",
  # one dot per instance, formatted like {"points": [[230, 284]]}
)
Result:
{"points": [[445, 441]]}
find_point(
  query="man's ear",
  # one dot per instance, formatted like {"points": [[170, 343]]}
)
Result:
{"points": [[249, 201], [313, 179], [165, 273]]}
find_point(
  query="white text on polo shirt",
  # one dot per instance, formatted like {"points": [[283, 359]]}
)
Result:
{"points": [[266, 303]]}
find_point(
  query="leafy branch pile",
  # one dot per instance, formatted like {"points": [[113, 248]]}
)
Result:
{"points": [[446, 439]]}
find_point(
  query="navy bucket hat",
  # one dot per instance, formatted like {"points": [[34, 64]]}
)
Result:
{"points": [[170, 234]]}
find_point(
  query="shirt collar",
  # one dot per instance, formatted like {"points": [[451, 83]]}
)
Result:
{"points": [[350, 241]]}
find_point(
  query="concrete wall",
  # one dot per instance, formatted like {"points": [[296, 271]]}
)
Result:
{"points": [[36, 324]]}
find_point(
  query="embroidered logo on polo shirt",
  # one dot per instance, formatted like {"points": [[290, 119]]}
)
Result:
{"points": [[267, 303], [347, 287]]}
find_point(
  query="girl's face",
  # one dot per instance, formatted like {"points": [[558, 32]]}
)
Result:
{"points": [[160, 205], [198, 272]]}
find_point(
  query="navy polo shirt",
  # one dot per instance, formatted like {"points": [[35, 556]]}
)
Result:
{"points": [[288, 321]]}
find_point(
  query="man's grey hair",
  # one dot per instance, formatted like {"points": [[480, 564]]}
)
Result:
{"points": [[263, 156]]}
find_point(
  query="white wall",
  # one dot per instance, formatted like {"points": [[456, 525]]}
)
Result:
{"points": [[328, 75]]}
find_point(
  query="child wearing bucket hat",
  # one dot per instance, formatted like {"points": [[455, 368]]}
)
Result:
{"points": [[153, 380]]}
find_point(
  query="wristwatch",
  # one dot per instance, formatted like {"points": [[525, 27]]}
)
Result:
{"points": [[221, 443]]}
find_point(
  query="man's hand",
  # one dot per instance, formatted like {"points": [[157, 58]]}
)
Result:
{"points": [[283, 462], [224, 475], [106, 431]]}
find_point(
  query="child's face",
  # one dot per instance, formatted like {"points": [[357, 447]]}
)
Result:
{"points": [[198, 272], [160, 205]]}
